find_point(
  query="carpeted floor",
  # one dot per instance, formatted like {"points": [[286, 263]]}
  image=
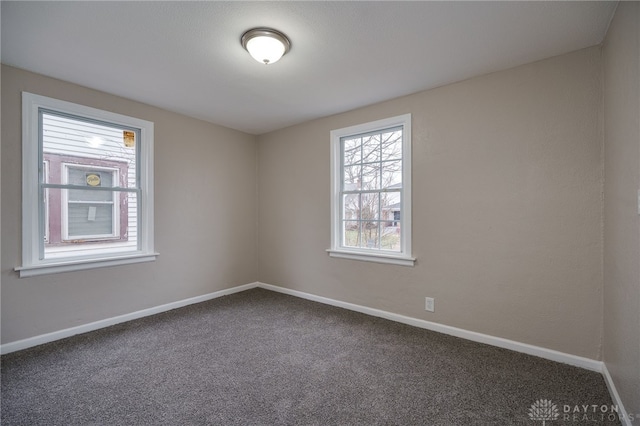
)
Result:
{"points": [[263, 358]]}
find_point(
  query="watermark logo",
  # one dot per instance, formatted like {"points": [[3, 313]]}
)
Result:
{"points": [[543, 410]]}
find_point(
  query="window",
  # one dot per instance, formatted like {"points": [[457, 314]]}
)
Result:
{"points": [[87, 189], [371, 191], [90, 215]]}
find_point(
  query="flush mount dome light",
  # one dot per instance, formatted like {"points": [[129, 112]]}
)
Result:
{"points": [[265, 45]]}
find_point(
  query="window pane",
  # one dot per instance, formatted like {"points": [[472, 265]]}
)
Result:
{"points": [[390, 202], [392, 145], [391, 217], [370, 232], [370, 206], [371, 176], [352, 178], [351, 236], [87, 219], [392, 174], [390, 239], [371, 148], [351, 151], [351, 206]]}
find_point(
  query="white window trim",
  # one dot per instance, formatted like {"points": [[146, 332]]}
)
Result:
{"points": [[404, 257], [31, 262], [64, 204]]}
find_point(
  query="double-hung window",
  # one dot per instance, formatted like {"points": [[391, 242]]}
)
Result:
{"points": [[371, 191], [87, 187]]}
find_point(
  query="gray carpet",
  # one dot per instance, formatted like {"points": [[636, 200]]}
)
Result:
{"points": [[263, 358]]}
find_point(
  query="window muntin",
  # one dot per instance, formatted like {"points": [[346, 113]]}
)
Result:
{"points": [[371, 201], [93, 202]]}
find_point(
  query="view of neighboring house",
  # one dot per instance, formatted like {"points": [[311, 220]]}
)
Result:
{"points": [[89, 198]]}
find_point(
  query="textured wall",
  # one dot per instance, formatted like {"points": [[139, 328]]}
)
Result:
{"points": [[205, 224], [507, 184], [621, 221]]}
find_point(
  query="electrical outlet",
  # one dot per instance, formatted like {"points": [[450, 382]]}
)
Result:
{"points": [[429, 304]]}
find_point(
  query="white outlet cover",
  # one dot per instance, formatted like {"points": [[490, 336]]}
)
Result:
{"points": [[429, 304]]}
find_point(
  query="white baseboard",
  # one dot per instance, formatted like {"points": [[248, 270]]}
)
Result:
{"points": [[624, 416], [550, 354], [589, 364], [68, 332], [578, 361]]}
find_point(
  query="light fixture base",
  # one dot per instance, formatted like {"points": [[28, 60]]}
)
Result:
{"points": [[265, 45]]}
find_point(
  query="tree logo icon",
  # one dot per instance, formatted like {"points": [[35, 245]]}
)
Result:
{"points": [[543, 409]]}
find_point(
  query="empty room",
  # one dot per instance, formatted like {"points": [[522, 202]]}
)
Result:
{"points": [[320, 213]]}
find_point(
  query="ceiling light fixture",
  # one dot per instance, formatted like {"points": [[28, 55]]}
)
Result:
{"points": [[265, 45]]}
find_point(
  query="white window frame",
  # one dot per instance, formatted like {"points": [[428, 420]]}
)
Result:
{"points": [[404, 256], [64, 203], [45, 170], [32, 263]]}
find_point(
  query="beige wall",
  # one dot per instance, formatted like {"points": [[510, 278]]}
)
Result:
{"points": [[507, 185], [621, 221], [205, 222], [507, 173]]}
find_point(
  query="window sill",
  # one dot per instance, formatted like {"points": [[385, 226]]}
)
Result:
{"points": [[55, 267], [373, 257]]}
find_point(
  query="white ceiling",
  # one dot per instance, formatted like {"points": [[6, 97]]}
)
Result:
{"points": [[186, 56]]}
